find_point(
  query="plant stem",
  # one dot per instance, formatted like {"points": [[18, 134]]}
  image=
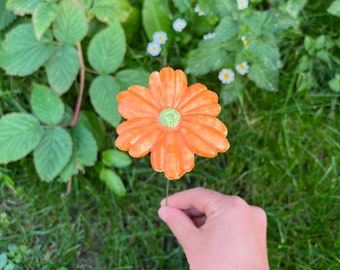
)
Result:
{"points": [[167, 192], [81, 85]]}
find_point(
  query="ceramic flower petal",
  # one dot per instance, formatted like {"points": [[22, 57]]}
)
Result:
{"points": [[171, 121]]}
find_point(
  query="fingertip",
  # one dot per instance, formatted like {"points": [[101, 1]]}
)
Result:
{"points": [[163, 213], [163, 202]]}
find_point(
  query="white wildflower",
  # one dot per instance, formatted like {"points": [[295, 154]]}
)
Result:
{"points": [[198, 10], [179, 25], [154, 48], [242, 68], [226, 75], [160, 37], [242, 4]]}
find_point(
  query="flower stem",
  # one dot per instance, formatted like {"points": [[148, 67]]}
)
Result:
{"points": [[81, 85], [167, 192]]}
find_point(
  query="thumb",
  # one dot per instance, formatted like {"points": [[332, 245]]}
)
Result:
{"points": [[179, 223]]}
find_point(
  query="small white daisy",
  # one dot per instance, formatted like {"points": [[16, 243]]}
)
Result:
{"points": [[198, 10], [160, 37], [242, 68], [209, 36], [179, 25], [154, 48], [242, 4], [226, 75]]}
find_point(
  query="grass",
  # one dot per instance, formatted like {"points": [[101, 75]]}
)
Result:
{"points": [[284, 157]]}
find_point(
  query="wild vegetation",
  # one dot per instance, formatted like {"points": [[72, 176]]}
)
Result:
{"points": [[69, 199]]}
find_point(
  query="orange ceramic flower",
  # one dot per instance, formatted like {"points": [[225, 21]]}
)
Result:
{"points": [[172, 121]]}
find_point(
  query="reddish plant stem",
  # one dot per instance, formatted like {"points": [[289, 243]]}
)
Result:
{"points": [[81, 87]]}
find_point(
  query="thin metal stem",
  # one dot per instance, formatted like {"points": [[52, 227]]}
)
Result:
{"points": [[167, 192]]}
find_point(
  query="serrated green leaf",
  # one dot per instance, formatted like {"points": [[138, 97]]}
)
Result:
{"points": [[22, 54], [19, 135], [265, 52], [112, 181], [116, 158], [43, 16], [84, 146], [53, 153], [6, 16], [87, 3], [47, 105], [293, 7], [204, 60], [182, 5], [103, 92], [264, 77], [155, 17], [95, 125], [109, 11], [62, 68], [71, 25], [225, 8], [128, 77], [226, 29], [208, 6], [22, 7], [107, 49], [334, 84], [334, 8]]}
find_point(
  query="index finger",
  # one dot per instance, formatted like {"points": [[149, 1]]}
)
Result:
{"points": [[204, 200]]}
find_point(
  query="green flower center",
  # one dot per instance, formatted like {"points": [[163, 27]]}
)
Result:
{"points": [[169, 117]]}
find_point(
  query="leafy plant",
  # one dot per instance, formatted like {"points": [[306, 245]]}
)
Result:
{"points": [[81, 53]]}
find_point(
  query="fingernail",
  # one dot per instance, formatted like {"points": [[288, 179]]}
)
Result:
{"points": [[163, 214]]}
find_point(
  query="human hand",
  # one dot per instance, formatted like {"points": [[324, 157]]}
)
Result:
{"points": [[217, 231]]}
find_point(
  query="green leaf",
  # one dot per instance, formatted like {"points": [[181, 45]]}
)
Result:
{"points": [[95, 125], [22, 7], [334, 8], [6, 16], [264, 77], [103, 92], [225, 8], [155, 17], [112, 181], [205, 59], [71, 25], [182, 5], [22, 54], [208, 6], [43, 16], [62, 68], [116, 158], [107, 49], [128, 77], [69, 170], [265, 52], [293, 7], [334, 84], [87, 3], [226, 29], [84, 146], [53, 153], [109, 11], [19, 135], [47, 105]]}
